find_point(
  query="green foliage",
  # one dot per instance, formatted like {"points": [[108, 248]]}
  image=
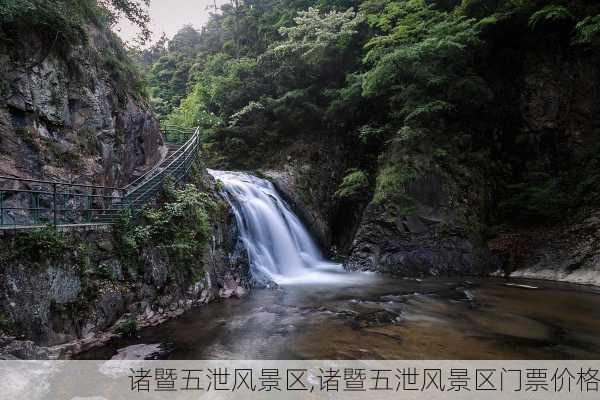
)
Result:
{"points": [[424, 114], [240, 82], [368, 133], [128, 328], [354, 184], [123, 71], [5, 323], [392, 183], [482, 9], [402, 83], [542, 202], [420, 55], [315, 36], [186, 41], [587, 31], [246, 113], [61, 157], [27, 135], [104, 271], [63, 24], [66, 19], [550, 14], [225, 87], [168, 79], [181, 225], [126, 247], [55, 18], [37, 246], [478, 8]]}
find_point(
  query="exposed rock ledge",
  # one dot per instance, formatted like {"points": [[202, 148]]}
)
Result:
{"points": [[14, 348], [63, 305], [568, 254]]}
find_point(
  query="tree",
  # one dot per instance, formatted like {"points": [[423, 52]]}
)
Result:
{"points": [[67, 18], [316, 36], [135, 11], [185, 41]]}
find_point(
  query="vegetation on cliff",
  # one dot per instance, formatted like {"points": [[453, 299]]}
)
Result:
{"points": [[50, 26], [415, 87], [159, 261], [64, 21]]}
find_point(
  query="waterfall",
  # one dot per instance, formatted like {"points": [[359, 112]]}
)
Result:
{"points": [[278, 244]]}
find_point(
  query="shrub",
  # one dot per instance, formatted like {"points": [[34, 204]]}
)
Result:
{"points": [[551, 14], [181, 225], [355, 183], [368, 133], [538, 202], [39, 245], [391, 187], [5, 323], [588, 30], [128, 327], [104, 271]]}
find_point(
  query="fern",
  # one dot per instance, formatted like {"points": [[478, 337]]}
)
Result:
{"points": [[549, 14], [588, 30]]}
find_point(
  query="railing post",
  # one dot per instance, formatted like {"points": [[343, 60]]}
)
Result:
{"points": [[34, 201], [1, 208], [123, 206], [54, 200], [89, 208]]}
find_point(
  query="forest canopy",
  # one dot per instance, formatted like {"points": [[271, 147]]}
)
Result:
{"points": [[390, 78], [68, 18]]}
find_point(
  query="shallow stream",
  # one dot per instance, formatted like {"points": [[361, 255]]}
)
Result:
{"points": [[378, 317]]}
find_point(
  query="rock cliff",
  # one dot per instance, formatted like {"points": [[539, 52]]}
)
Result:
{"points": [[71, 114], [79, 290]]}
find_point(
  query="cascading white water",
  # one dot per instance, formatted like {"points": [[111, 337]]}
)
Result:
{"points": [[278, 244]]}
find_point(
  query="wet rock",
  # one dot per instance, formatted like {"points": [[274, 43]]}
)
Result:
{"points": [[61, 305], [113, 267], [156, 267], [377, 318], [11, 349], [431, 239], [109, 307], [568, 253], [29, 296], [142, 352], [232, 288], [308, 179]]}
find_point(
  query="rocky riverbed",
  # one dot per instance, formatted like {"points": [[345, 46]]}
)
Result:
{"points": [[382, 318]]}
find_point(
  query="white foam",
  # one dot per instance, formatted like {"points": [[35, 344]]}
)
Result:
{"points": [[278, 243]]}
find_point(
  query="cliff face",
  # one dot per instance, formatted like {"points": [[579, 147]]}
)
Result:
{"points": [[545, 134], [557, 104], [307, 175], [437, 236], [68, 115], [536, 171], [75, 113], [79, 291]]}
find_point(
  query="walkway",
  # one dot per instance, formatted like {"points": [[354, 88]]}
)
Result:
{"points": [[27, 204]]}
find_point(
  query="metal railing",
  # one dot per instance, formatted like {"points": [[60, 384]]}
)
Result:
{"points": [[33, 202], [176, 134], [176, 166], [41, 202]]}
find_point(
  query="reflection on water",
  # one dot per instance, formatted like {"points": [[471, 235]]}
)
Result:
{"points": [[386, 318]]}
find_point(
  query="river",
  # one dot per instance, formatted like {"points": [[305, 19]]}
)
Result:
{"points": [[320, 311]]}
